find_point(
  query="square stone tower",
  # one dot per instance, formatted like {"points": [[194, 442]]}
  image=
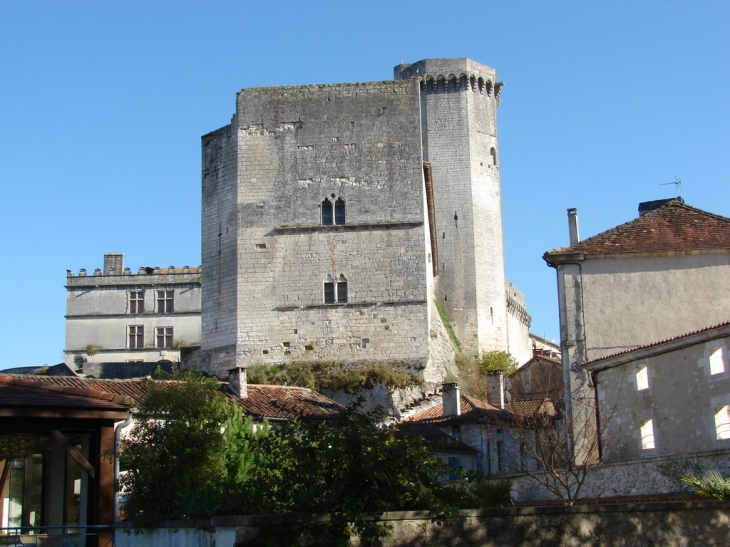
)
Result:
{"points": [[459, 100], [334, 215]]}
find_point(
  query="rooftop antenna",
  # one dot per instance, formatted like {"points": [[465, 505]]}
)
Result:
{"points": [[677, 184]]}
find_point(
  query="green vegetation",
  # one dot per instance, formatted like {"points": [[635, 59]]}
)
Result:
{"points": [[675, 468], [447, 324], [711, 483], [195, 456], [491, 493], [92, 350], [319, 375], [473, 370]]}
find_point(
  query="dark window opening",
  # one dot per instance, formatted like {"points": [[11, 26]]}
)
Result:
{"points": [[493, 152], [340, 211], [342, 291], [329, 292], [326, 212]]}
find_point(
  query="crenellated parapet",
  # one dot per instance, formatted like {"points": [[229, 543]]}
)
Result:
{"points": [[452, 76], [144, 270]]}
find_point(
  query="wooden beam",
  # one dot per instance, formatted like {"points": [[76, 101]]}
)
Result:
{"points": [[73, 452]]}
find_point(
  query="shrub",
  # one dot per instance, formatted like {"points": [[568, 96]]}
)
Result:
{"points": [[711, 483]]}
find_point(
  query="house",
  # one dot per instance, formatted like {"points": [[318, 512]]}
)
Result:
{"points": [[484, 427], [55, 430], [538, 379], [118, 317], [53, 437], [667, 398], [660, 275], [354, 222]]}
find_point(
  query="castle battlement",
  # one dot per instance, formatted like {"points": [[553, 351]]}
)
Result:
{"points": [[114, 267]]}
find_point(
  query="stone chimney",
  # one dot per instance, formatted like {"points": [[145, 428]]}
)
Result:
{"points": [[573, 226], [113, 263], [495, 389], [451, 397], [237, 383]]}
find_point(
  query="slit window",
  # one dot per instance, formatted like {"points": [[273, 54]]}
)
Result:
{"points": [[717, 361], [642, 378], [722, 422], [340, 211], [493, 153], [647, 435], [326, 212]]}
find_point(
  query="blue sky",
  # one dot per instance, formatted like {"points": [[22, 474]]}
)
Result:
{"points": [[102, 105]]}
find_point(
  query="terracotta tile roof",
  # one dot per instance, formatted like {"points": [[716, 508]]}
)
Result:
{"points": [[657, 343], [433, 435], [672, 227], [471, 410], [24, 391], [530, 408], [263, 401]]}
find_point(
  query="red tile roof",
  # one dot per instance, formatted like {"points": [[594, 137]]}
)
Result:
{"points": [[657, 343], [263, 401], [471, 410], [672, 227], [28, 392]]}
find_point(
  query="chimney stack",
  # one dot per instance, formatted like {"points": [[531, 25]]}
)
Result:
{"points": [[495, 389], [451, 397], [113, 263], [237, 383], [573, 226]]}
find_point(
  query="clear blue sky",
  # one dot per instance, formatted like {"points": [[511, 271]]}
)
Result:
{"points": [[102, 105]]}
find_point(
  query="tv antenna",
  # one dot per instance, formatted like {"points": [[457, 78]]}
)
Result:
{"points": [[677, 184]]}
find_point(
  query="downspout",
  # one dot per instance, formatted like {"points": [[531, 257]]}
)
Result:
{"points": [[117, 429]]}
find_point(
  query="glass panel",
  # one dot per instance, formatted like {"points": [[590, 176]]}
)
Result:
{"points": [[329, 293], [327, 213], [342, 292], [21, 479], [340, 211]]}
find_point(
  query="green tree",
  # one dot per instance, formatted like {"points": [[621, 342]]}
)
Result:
{"points": [[189, 444]]}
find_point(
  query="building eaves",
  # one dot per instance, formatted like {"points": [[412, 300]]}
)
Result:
{"points": [[660, 346], [674, 227]]}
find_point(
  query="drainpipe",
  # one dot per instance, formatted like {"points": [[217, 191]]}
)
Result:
{"points": [[117, 429]]}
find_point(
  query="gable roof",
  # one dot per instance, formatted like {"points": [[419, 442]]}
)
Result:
{"points": [[672, 227], [263, 401]]}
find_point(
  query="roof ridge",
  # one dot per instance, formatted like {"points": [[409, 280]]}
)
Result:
{"points": [[81, 392]]}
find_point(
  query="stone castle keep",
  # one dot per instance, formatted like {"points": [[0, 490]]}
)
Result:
{"points": [[335, 215]]}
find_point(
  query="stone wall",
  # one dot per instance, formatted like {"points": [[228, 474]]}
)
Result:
{"points": [[694, 523]]}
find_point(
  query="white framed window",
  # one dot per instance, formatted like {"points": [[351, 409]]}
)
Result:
{"points": [[135, 336], [647, 434], [717, 361], [136, 302], [163, 337], [165, 301], [722, 422], [642, 378]]}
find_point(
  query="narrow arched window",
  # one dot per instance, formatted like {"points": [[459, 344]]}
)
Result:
{"points": [[493, 152], [340, 211], [329, 290], [342, 290], [326, 212]]}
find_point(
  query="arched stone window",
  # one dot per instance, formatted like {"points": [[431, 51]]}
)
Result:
{"points": [[340, 211], [329, 290], [342, 290], [327, 212]]}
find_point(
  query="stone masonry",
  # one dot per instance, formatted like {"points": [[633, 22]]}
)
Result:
{"points": [[284, 280]]}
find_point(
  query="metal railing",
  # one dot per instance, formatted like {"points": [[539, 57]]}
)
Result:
{"points": [[96, 535]]}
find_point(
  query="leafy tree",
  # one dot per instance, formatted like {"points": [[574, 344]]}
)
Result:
{"points": [[188, 445], [712, 483], [346, 468]]}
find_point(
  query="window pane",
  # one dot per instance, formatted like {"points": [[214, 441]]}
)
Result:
{"points": [[340, 211], [329, 293], [342, 292], [327, 213]]}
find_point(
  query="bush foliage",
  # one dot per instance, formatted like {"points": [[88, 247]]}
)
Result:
{"points": [[320, 375], [474, 369], [192, 455]]}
